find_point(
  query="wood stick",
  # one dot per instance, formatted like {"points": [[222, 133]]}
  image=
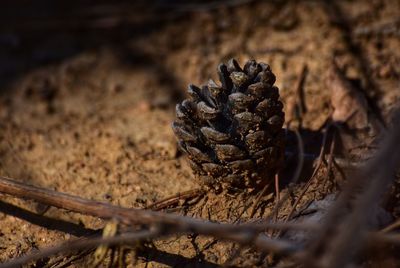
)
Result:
{"points": [[180, 224], [80, 244], [346, 223]]}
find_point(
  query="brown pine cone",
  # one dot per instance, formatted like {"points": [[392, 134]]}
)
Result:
{"points": [[232, 133]]}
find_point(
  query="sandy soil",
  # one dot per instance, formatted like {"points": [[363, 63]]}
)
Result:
{"points": [[97, 123]]}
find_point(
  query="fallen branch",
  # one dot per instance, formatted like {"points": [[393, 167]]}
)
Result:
{"points": [[346, 224], [241, 234], [130, 215], [80, 244]]}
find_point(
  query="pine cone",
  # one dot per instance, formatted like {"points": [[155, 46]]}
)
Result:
{"points": [[232, 133]]}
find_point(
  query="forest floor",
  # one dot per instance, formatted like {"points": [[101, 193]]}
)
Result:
{"points": [[96, 121]]}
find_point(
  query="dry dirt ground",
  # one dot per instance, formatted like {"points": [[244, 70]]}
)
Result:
{"points": [[96, 122]]}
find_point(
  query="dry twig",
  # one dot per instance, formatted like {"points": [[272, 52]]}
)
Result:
{"points": [[175, 223], [319, 164], [345, 229], [164, 203], [80, 244], [129, 216], [296, 175]]}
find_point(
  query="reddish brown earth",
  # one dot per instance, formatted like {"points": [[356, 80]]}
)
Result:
{"points": [[96, 122]]}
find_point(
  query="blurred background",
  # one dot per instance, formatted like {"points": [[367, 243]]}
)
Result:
{"points": [[88, 88], [184, 40]]}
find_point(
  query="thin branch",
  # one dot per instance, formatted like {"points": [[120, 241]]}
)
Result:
{"points": [[129, 215], [159, 205], [392, 239], [300, 91], [391, 227], [305, 188], [296, 175], [176, 224], [80, 244], [346, 223], [257, 200]]}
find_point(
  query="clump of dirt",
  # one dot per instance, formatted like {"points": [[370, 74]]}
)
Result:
{"points": [[97, 124]]}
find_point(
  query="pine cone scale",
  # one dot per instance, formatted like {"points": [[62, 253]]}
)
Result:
{"points": [[214, 135]]}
